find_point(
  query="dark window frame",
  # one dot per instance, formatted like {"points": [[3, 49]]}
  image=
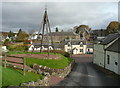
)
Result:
{"points": [[108, 59], [81, 50]]}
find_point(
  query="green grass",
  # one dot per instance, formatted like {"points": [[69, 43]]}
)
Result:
{"points": [[57, 64], [13, 52], [0, 76], [14, 77]]}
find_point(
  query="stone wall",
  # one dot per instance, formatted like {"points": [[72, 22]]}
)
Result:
{"points": [[47, 72], [58, 72], [39, 82]]}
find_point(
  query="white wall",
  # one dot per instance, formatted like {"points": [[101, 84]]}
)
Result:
{"points": [[90, 50], [114, 57], [66, 47], [98, 55], [4, 47], [43, 48]]}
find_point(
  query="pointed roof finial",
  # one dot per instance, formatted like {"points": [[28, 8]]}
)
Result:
{"points": [[45, 5]]}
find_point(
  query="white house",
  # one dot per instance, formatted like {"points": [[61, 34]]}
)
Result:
{"points": [[99, 54], [112, 61], [75, 46], [34, 36], [89, 48], [107, 54], [36, 46], [78, 47]]}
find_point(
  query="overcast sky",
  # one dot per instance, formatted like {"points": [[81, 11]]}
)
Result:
{"points": [[64, 15]]}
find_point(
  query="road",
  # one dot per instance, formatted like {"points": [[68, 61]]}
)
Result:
{"points": [[85, 73]]}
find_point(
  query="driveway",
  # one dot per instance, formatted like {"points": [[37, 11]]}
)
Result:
{"points": [[85, 73]]}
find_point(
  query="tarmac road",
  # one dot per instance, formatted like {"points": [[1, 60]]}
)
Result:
{"points": [[85, 73]]}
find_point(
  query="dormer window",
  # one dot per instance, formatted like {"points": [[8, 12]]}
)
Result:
{"points": [[81, 44], [69, 44]]}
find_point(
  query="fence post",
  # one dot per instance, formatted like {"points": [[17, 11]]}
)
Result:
{"points": [[5, 56], [24, 65]]}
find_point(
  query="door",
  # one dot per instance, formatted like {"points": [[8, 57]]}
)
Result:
{"points": [[75, 51]]}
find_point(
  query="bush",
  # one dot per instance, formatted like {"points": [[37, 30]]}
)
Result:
{"points": [[11, 47], [66, 54], [17, 47]]}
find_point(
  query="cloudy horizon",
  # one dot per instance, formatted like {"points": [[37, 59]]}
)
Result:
{"points": [[64, 15]]}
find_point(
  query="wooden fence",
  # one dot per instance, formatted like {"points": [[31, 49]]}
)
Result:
{"points": [[21, 63]]}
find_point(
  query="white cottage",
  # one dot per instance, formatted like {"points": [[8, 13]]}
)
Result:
{"points": [[36, 46], [112, 61], [106, 53], [78, 47]]}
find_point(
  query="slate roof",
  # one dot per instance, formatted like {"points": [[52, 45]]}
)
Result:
{"points": [[110, 38], [62, 34], [90, 46], [56, 45], [99, 32], [115, 47], [75, 42]]}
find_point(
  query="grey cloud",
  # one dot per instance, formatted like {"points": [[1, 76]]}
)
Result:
{"points": [[65, 15]]}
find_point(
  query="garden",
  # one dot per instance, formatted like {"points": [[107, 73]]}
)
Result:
{"points": [[12, 76], [59, 63]]}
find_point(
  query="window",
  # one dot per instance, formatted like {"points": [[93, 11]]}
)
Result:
{"points": [[69, 44], [81, 50], [108, 59], [68, 50], [88, 50], [116, 63], [81, 45]]}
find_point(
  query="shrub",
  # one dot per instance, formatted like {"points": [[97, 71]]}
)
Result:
{"points": [[11, 47], [17, 47]]}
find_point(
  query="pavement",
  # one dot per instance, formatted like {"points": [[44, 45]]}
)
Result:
{"points": [[85, 73]]}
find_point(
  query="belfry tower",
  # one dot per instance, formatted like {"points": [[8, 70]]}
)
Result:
{"points": [[45, 26]]}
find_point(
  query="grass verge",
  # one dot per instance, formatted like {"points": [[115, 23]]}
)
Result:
{"points": [[15, 77], [56, 64], [52, 63]]}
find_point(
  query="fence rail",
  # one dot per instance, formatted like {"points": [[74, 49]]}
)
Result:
{"points": [[21, 63]]}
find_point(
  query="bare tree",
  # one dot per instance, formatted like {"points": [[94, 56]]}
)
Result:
{"points": [[83, 31], [31, 33]]}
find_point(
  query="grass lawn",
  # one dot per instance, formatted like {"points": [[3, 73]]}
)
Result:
{"points": [[57, 64], [0, 76], [14, 77], [13, 52]]}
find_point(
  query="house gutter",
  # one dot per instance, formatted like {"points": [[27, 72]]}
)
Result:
{"points": [[104, 56]]}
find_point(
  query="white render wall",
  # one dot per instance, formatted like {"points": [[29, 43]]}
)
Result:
{"points": [[4, 47], [43, 48], [98, 55], [114, 57], [66, 47], [90, 49]]}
